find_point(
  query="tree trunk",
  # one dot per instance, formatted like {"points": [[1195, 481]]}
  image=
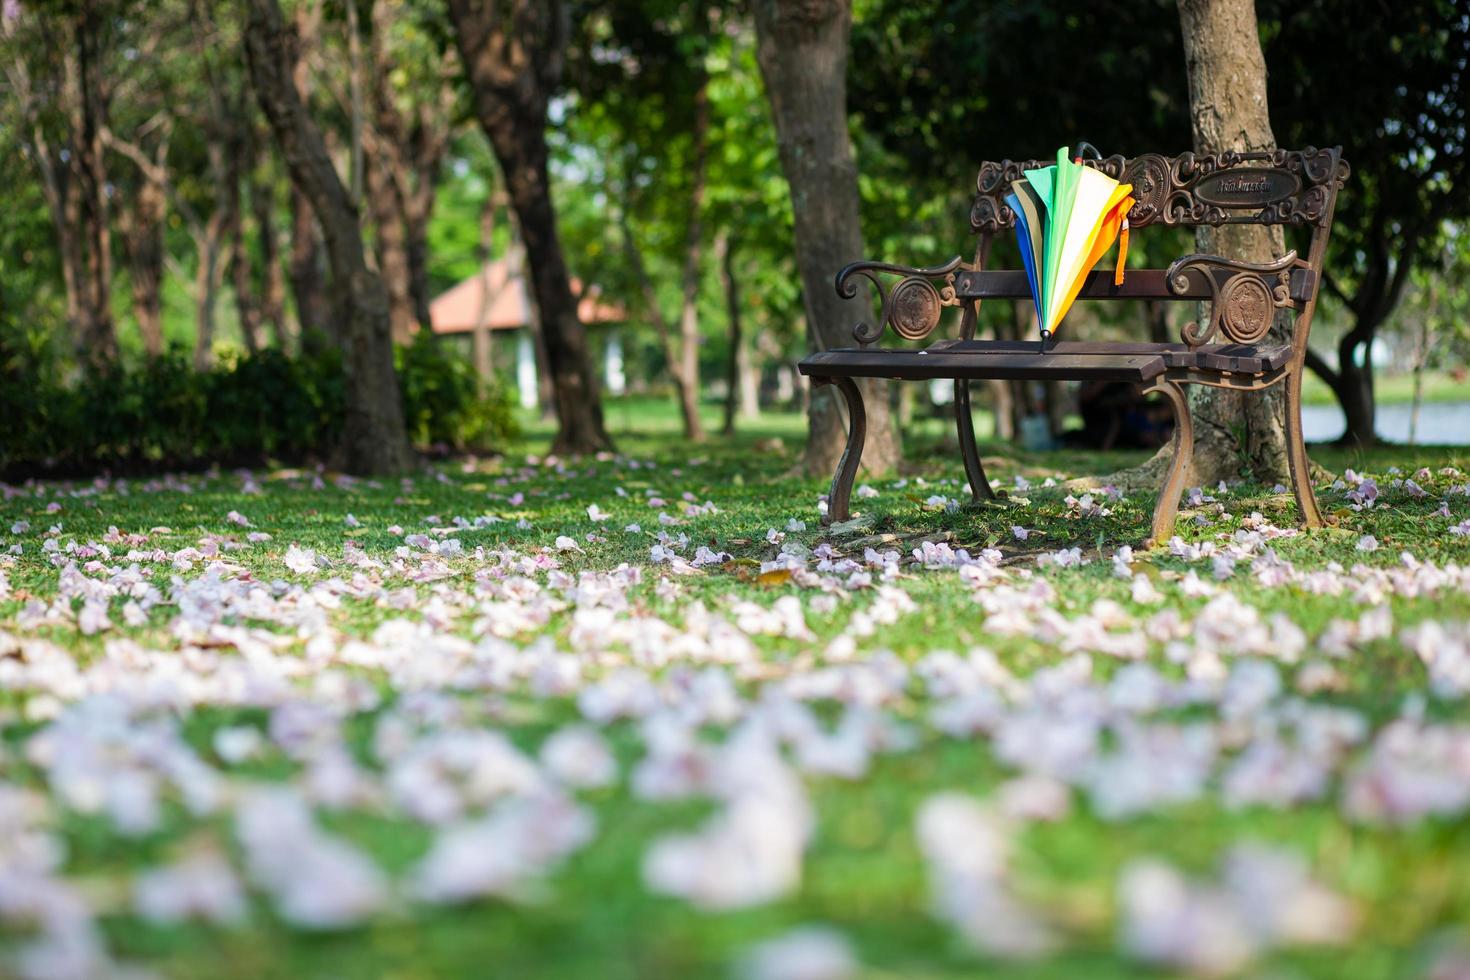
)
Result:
{"points": [[512, 51], [57, 187], [688, 367], [374, 439], [802, 50], [419, 208], [1156, 317], [1012, 406], [314, 317], [1235, 433], [272, 281], [1227, 97], [410, 147], [1354, 385], [390, 246], [725, 250], [242, 269], [484, 353], [98, 333], [142, 228], [1421, 358], [354, 101], [208, 277], [308, 288], [247, 299], [686, 393]]}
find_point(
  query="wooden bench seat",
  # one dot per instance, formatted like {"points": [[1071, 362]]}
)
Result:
{"points": [[1247, 304], [975, 365], [1026, 361]]}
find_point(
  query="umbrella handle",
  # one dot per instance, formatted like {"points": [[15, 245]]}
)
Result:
{"points": [[1083, 147]]}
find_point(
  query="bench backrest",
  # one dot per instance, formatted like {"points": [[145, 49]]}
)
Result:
{"points": [[1280, 187]]}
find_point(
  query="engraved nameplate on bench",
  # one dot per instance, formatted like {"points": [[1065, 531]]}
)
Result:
{"points": [[1246, 187]]}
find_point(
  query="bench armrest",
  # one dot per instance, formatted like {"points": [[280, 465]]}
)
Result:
{"points": [[1244, 296], [912, 307]]}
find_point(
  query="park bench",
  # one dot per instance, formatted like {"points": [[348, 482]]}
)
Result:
{"points": [[1229, 349]]}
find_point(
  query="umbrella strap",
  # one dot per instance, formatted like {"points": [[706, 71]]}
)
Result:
{"points": [[1122, 254]]}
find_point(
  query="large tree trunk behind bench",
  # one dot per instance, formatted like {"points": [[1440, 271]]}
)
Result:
{"points": [[1233, 431]]}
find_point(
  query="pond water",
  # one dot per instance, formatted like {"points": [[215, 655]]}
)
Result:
{"points": [[1440, 424]]}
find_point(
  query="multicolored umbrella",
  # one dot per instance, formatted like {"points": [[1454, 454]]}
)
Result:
{"points": [[1067, 217]]}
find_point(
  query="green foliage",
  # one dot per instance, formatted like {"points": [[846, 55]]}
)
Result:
{"points": [[264, 406], [624, 152], [442, 403]]}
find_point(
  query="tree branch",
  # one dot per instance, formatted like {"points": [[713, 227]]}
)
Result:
{"points": [[1322, 370], [155, 172], [1330, 283]]}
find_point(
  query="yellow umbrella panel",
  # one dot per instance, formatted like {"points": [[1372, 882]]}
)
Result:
{"points": [[1095, 219]]}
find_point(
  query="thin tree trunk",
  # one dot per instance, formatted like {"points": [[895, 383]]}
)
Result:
{"points": [[98, 333], [750, 381], [688, 366], [410, 147], [308, 286], [53, 164], [419, 208], [684, 394], [272, 280], [1421, 360], [802, 50], [1354, 386], [374, 439], [209, 275], [390, 246], [903, 399], [354, 98], [314, 317], [512, 53], [247, 301], [242, 275], [1012, 406], [1156, 317], [142, 228], [725, 251], [1004, 398], [484, 349], [1417, 398]]}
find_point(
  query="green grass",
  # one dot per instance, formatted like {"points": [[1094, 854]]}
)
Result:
{"points": [[862, 872]]}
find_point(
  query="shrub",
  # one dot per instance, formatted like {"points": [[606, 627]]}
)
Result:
{"points": [[244, 411], [442, 403]]}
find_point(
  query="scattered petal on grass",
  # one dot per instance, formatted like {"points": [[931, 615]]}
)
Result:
{"points": [[804, 953]]}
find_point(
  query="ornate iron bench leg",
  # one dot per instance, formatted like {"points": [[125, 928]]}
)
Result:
{"points": [[965, 424], [1296, 453], [1167, 509], [839, 499]]}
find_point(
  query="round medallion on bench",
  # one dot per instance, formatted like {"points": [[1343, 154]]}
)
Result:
{"points": [[1247, 309], [914, 308], [1149, 175]]}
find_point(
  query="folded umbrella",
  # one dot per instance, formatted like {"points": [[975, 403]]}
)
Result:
{"points": [[1067, 217]]}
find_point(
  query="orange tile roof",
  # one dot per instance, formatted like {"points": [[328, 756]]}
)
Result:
{"points": [[497, 296]]}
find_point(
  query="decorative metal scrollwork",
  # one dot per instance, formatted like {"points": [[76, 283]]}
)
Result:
{"points": [[1274, 187], [912, 307], [1243, 306]]}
